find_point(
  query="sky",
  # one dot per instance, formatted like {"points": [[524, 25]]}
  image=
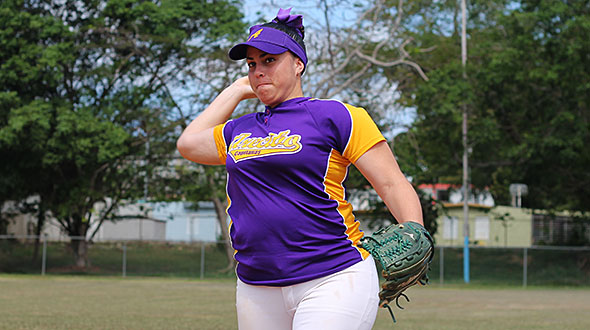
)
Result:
{"points": [[312, 14]]}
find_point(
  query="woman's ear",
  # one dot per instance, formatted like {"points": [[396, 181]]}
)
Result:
{"points": [[299, 66]]}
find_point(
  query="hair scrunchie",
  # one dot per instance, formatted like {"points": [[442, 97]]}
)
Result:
{"points": [[294, 21]]}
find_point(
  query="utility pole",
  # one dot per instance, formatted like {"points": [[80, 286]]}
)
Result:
{"points": [[465, 147]]}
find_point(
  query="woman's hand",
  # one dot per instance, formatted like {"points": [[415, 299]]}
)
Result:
{"points": [[242, 86]]}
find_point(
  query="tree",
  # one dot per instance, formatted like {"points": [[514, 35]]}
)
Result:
{"points": [[85, 100], [528, 96], [207, 183], [357, 63], [354, 61], [378, 215]]}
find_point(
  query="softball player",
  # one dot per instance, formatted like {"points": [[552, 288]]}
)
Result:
{"points": [[293, 231]]}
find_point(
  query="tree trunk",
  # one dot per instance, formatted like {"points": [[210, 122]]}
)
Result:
{"points": [[80, 245], [221, 217], [220, 207], [3, 221], [80, 249], [38, 230]]}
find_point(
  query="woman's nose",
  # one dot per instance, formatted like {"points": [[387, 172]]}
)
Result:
{"points": [[258, 72]]}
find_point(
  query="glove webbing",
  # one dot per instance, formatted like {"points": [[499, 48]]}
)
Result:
{"points": [[404, 245]]}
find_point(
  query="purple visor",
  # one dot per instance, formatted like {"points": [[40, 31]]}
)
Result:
{"points": [[268, 40]]}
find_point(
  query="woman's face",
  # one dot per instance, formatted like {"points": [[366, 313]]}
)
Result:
{"points": [[274, 78]]}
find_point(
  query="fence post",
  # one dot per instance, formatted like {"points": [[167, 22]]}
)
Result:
{"points": [[524, 267], [124, 271], [202, 269], [44, 257], [441, 264]]}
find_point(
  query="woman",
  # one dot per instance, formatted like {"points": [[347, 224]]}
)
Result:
{"points": [[294, 234]]}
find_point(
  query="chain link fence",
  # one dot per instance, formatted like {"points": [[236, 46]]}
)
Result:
{"points": [[536, 265], [37, 255]]}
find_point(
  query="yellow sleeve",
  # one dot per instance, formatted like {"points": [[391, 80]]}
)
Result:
{"points": [[220, 142], [363, 136]]}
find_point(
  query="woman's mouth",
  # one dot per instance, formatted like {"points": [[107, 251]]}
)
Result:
{"points": [[262, 84]]}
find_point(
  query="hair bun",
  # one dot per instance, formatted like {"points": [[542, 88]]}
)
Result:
{"points": [[293, 21]]}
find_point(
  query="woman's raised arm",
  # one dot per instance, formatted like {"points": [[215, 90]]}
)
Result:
{"points": [[197, 143]]}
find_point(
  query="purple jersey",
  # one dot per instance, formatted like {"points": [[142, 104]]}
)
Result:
{"points": [[286, 168]]}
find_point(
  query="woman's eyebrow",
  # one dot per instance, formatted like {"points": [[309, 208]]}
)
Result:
{"points": [[261, 56]]}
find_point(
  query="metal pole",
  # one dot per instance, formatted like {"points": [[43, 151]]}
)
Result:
{"points": [[202, 269], [44, 257], [465, 149], [442, 265], [454, 230], [190, 226], [525, 265], [124, 270]]}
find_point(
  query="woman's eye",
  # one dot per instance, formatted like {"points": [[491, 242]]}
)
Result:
{"points": [[251, 64], [269, 59]]}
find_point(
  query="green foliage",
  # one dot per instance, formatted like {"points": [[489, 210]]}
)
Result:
{"points": [[527, 96], [86, 114]]}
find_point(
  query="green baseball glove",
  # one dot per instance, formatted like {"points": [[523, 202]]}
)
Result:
{"points": [[404, 252]]}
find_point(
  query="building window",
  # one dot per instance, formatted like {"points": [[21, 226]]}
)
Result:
{"points": [[442, 195], [450, 227], [482, 228]]}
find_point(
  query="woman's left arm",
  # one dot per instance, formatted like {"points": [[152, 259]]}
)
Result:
{"points": [[380, 168]]}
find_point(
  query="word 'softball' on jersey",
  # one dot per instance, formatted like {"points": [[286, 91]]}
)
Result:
{"points": [[286, 167]]}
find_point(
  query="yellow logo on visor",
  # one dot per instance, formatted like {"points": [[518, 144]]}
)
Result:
{"points": [[245, 147], [255, 35]]}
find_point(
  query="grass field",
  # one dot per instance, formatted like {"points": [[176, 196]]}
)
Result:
{"points": [[88, 302]]}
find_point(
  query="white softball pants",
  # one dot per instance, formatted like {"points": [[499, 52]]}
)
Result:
{"points": [[345, 300]]}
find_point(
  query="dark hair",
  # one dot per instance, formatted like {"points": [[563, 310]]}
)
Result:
{"points": [[292, 32]]}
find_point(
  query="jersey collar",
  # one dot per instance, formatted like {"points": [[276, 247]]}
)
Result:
{"points": [[288, 104]]}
